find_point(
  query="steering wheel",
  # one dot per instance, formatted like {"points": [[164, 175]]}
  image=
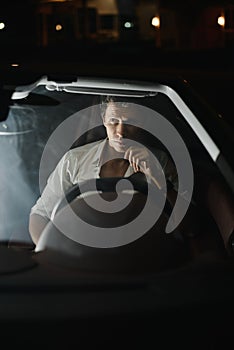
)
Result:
{"points": [[154, 251], [137, 182]]}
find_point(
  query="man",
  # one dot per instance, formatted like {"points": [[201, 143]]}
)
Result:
{"points": [[116, 156]]}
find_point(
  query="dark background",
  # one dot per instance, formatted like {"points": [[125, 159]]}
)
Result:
{"points": [[201, 51]]}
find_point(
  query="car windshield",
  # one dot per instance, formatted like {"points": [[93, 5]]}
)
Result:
{"points": [[47, 120]]}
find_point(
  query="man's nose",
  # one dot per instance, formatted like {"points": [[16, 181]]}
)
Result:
{"points": [[121, 129]]}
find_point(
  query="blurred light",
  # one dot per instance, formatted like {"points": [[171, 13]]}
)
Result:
{"points": [[54, 0], [128, 24], [156, 22], [106, 7], [221, 21], [58, 27], [2, 25], [15, 65]]}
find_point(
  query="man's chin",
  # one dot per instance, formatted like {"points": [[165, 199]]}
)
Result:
{"points": [[119, 146]]}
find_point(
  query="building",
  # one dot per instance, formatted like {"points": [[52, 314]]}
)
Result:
{"points": [[197, 24], [178, 25]]}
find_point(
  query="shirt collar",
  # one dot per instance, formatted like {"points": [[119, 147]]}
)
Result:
{"points": [[98, 155], [97, 159]]}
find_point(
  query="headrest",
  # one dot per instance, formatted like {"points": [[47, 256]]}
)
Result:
{"points": [[92, 135]]}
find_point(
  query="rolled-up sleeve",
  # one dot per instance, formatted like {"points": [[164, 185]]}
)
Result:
{"points": [[57, 184]]}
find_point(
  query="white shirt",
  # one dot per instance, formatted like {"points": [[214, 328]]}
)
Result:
{"points": [[78, 165]]}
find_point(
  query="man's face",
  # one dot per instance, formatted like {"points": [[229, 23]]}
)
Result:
{"points": [[118, 120]]}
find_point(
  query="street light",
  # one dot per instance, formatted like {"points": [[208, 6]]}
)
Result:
{"points": [[221, 21], [156, 22], [58, 27]]}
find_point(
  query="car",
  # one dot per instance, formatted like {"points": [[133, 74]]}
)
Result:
{"points": [[156, 282]]}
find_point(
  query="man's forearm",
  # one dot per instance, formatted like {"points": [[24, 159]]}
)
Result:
{"points": [[37, 224]]}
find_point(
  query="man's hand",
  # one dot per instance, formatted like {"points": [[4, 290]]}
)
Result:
{"points": [[140, 159]]}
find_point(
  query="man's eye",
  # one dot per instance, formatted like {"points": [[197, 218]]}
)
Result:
{"points": [[113, 121]]}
